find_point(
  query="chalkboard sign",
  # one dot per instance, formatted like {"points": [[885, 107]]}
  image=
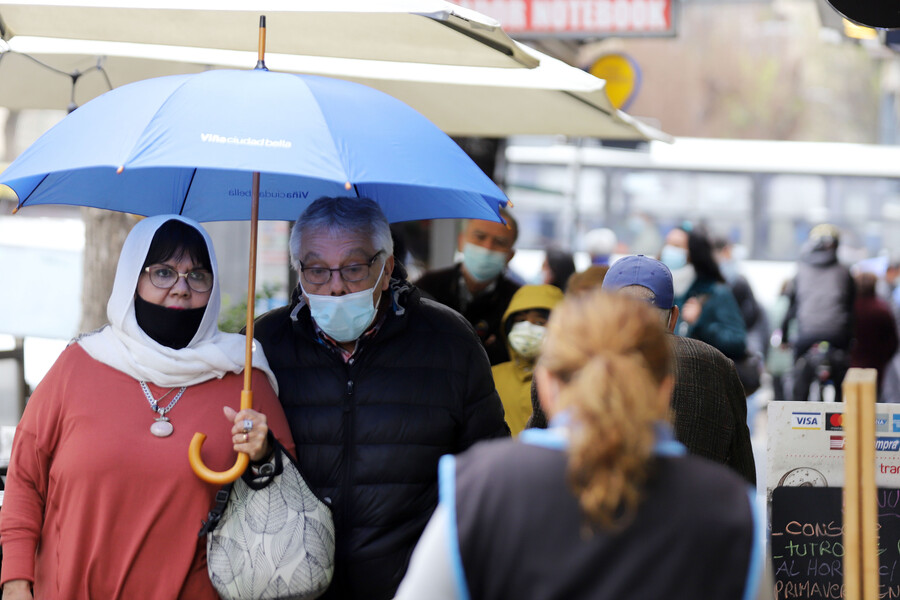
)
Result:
{"points": [[808, 547]]}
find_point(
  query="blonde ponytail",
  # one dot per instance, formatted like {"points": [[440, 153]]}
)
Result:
{"points": [[611, 356]]}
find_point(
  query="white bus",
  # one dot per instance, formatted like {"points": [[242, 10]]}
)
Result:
{"points": [[764, 196]]}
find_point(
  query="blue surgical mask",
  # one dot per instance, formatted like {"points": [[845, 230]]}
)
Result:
{"points": [[481, 263], [344, 318], [729, 269], [673, 257]]}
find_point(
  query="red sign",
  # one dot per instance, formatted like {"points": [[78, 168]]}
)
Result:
{"points": [[579, 18]]}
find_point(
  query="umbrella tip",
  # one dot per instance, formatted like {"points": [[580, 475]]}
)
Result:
{"points": [[509, 203], [15, 209], [348, 186], [120, 169]]}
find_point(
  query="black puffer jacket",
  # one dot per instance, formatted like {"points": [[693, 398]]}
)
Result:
{"points": [[369, 433]]}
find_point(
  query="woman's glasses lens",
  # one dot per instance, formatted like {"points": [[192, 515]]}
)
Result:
{"points": [[162, 276]]}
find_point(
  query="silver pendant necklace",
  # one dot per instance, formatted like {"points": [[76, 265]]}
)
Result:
{"points": [[161, 426]]}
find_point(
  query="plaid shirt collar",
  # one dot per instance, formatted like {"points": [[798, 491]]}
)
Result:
{"points": [[330, 343]]}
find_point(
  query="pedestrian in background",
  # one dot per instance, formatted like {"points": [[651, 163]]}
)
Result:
{"points": [[822, 297], [593, 507], [601, 244], [708, 310], [557, 268], [756, 321], [875, 336], [708, 401], [588, 279], [479, 287], [524, 325]]}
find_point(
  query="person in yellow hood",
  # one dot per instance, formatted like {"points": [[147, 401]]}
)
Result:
{"points": [[523, 328]]}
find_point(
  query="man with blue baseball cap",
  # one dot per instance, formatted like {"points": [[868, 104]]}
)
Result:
{"points": [[708, 400], [651, 279]]}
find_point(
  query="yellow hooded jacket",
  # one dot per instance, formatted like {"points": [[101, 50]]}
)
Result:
{"points": [[513, 378]]}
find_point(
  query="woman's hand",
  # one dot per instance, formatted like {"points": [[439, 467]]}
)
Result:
{"points": [[249, 432], [17, 589], [691, 310]]}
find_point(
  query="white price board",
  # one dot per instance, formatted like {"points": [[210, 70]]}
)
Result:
{"points": [[806, 445]]}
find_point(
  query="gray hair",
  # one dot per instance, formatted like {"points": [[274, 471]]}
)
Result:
{"points": [[360, 216]]}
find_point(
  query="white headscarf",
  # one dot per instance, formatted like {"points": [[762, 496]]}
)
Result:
{"points": [[124, 346]]}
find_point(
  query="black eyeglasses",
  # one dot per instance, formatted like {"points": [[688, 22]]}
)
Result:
{"points": [[165, 277], [349, 273]]}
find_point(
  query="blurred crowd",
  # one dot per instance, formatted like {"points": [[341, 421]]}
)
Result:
{"points": [[826, 319]]}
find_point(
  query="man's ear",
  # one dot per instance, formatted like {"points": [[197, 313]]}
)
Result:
{"points": [[509, 255], [673, 318], [388, 269], [460, 240]]}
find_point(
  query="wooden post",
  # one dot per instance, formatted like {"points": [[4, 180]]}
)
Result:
{"points": [[860, 505], [868, 386], [852, 519]]}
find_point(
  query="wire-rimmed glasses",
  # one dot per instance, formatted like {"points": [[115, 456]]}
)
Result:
{"points": [[349, 273]]}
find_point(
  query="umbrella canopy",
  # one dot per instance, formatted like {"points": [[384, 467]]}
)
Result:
{"points": [[186, 144], [426, 31], [551, 99]]}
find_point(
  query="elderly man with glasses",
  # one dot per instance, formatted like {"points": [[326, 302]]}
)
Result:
{"points": [[377, 383]]}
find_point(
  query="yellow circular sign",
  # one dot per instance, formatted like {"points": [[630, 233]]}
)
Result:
{"points": [[622, 76]]}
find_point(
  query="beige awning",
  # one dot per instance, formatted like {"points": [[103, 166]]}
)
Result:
{"points": [[552, 98]]}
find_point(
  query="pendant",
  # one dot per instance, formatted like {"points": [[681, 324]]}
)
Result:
{"points": [[162, 427]]}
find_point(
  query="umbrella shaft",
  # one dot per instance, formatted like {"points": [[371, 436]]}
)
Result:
{"points": [[251, 282]]}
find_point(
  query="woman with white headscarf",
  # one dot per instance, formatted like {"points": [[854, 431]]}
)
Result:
{"points": [[100, 500]]}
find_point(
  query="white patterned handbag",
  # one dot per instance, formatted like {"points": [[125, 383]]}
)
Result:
{"points": [[267, 542]]}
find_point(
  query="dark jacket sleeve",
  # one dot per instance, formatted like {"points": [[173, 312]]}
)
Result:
{"points": [[740, 453], [483, 411]]}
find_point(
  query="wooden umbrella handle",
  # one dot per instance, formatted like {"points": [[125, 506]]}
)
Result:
{"points": [[219, 477]]}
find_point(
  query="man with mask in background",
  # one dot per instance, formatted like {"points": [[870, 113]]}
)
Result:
{"points": [[478, 287], [377, 383]]}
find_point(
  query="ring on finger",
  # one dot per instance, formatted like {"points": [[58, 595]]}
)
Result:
{"points": [[246, 437], [248, 425]]}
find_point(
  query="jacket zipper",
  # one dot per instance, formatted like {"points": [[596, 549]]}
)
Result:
{"points": [[348, 446]]}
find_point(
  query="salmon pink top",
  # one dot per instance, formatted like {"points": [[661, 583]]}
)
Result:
{"points": [[98, 507]]}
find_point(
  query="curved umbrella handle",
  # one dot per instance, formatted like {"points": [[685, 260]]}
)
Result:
{"points": [[219, 477]]}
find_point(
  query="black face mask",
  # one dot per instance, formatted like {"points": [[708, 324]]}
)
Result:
{"points": [[168, 326]]}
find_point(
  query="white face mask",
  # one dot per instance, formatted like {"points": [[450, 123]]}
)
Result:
{"points": [[344, 318], [525, 338]]}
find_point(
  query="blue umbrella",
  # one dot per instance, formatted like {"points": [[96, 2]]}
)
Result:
{"points": [[188, 144]]}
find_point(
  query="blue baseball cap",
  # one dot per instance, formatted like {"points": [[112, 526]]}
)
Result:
{"points": [[643, 271]]}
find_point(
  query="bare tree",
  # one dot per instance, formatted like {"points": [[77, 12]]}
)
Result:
{"points": [[104, 233]]}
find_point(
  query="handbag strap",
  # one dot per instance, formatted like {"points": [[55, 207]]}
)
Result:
{"points": [[218, 509], [252, 481]]}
